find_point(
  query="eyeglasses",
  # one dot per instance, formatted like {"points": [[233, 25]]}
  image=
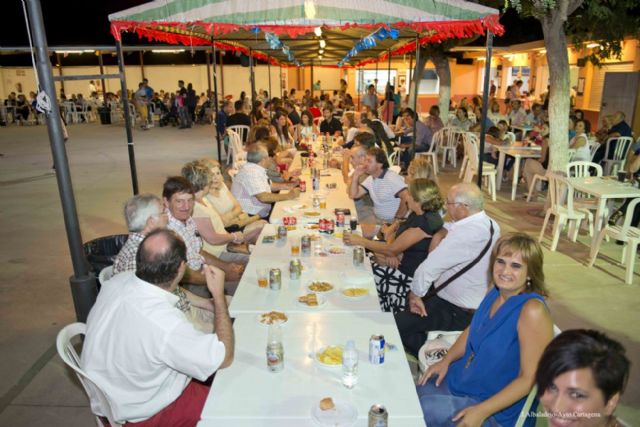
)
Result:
{"points": [[456, 203]]}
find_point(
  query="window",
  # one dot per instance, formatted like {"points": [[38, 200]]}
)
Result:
{"points": [[366, 77]]}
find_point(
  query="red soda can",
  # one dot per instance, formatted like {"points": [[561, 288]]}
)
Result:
{"points": [[303, 186], [293, 220], [322, 226], [331, 225], [285, 220]]}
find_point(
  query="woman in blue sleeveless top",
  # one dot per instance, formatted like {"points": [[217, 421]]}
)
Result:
{"points": [[488, 373]]}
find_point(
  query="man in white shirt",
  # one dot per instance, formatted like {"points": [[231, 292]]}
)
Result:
{"points": [[517, 116], [370, 99], [142, 351], [384, 186], [470, 233], [252, 187]]}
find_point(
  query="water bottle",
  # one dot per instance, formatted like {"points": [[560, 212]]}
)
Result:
{"points": [[350, 365]]}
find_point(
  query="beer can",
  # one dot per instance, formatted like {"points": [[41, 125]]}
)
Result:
{"points": [[345, 233], [305, 245], [316, 201], [295, 269], [376, 349], [303, 186], [275, 356], [378, 416], [358, 256], [282, 232], [275, 279], [340, 218]]}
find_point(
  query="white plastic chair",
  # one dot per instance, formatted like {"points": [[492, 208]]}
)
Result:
{"points": [[583, 169], [564, 211], [625, 233], [534, 182], [84, 113], [465, 159], [236, 156], [70, 112], [241, 130], [432, 152], [68, 354], [489, 171], [449, 145], [618, 155], [512, 136]]}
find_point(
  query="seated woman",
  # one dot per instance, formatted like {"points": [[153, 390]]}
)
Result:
{"points": [[349, 129], [582, 373], [280, 129], [461, 120], [406, 246], [307, 128], [279, 157], [580, 143], [433, 121], [216, 240], [486, 375], [539, 166], [228, 206]]}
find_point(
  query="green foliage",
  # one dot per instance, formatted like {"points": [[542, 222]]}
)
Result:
{"points": [[534, 8]]}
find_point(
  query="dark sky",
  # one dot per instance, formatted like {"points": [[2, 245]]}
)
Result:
{"points": [[84, 22]]}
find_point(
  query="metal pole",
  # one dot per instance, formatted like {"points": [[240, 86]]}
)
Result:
{"points": [[312, 82], [215, 106], [269, 68], [208, 60], [104, 87], [221, 72], [252, 78], [281, 89], [416, 86], [387, 103], [141, 55], [84, 289], [359, 86], [127, 118], [485, 103], [59, 66]]}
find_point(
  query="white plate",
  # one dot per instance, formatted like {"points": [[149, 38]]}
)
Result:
{"points": [[300, 206], [354, 298], [282, 323], [326, 365], [321, 302], [332, 290], [343, 415]]}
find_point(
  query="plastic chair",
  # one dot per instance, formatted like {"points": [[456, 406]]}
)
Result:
{"points": [[450, 143], [488, 170], [594, 149], [237, 156], [625, 233], [68, 354], [618, 155], [70, 112], [465, 159], [84, 113], [563, 211], [432, 152], [241, 130], [534, 182], [512, 136]]}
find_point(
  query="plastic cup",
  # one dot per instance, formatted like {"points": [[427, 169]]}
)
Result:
{"points": [[263, 277], [295, 246], [323, 202]]}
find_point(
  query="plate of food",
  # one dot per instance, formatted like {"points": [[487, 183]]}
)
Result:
{"points": [[354, 293], [311, 213], [334, 412], [320, 287], [330, 356], [301, 206], [272, 317], [336, 250], [311, 301]]}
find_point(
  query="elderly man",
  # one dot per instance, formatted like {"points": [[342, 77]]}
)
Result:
{"points": [[252, 187], [142, 351], [619, 127], [178, 197], [144, 214], [384, 186], [353, 158], [457, 268], [370, 99]]}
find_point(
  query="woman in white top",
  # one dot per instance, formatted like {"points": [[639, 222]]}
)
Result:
{"points": [[281, 126], [349, 126], [227, 206], [307, 128], [461, 120], [580, 143], [494, 113]]}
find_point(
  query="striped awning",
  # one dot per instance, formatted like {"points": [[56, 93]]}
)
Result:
{"points": [[240, 24]]}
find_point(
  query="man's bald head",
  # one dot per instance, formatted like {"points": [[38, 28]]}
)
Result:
{"points": [[159, 258]]}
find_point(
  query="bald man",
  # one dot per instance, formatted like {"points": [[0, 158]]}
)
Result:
{"points": [[449, 285]]}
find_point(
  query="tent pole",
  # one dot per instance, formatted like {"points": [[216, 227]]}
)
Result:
{"points": [[485, 103], [312, 82], [208, 62], [127, 118], [252, 78], [416, 86], [221, 72], [281, 88], [269, 68], [358, 87], [141, 55], [215, 106], [59, 66], [83, 283], [387, 102], [104, 87]]}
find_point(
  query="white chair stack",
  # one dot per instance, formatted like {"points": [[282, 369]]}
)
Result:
{"points": [[561, 197], [627, 234], [489, 172], [68, 354]]}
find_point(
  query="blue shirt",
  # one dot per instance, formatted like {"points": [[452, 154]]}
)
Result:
{"points": [[492, 356], [221, 122]]}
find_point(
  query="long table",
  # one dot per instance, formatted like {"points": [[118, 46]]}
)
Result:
{"points": [[247, 394]]}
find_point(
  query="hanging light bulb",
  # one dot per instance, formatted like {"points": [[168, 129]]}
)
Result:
{"points": [[323, 43], [317, 31], [321, 51]]}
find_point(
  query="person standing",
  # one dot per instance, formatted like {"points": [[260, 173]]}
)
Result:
{"points": [[192, 102], [181, 104], [370, 99]]}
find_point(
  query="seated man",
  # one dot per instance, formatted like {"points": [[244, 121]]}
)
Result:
{"points": [[179, 198], [619, 127], [142, 351], [457, 268], [252, 187], [330, 125], [385, 188], [422, 141], [144, 214]]}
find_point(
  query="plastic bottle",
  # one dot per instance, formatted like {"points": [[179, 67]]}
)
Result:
{"points": [[350, 365]]}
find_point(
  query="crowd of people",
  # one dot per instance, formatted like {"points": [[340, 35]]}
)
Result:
{"points": [[161, 328]]}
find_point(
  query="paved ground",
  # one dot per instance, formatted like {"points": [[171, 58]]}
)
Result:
{"points": [[35, 300]]}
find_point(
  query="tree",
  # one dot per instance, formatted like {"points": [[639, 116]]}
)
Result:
{"points": [[604, 21]]}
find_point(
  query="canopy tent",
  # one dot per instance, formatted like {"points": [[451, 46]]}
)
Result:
{"points": [[237, 25]]}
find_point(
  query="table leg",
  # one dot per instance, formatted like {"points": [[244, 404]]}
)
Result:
{"points": [[500, 169], [516, 175], [598, 221]]}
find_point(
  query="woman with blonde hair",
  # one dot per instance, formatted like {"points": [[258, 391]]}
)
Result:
{"points": [[420, 167], [398, 257], [349, 128], [487, 374]]}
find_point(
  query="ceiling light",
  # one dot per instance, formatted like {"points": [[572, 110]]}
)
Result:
{"points": [[592, 45], [321, 51], [318, 31], [481, 58], [543, 51], [323, 43], [319, 56], [66, 52], [167, 50]]}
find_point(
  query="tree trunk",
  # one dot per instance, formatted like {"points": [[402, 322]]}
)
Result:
{"points": [[441, 62], [417, 75]]}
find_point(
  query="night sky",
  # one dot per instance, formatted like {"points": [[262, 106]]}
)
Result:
{"points": [[84, 22]]}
